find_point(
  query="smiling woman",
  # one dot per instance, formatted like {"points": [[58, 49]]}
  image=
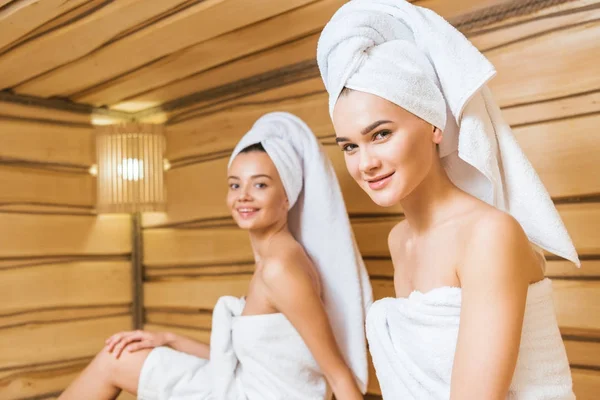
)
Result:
{"points": [[267, 343]]}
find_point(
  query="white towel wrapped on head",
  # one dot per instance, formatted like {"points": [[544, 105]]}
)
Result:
{"points": [[412, 57], [318, 220]]}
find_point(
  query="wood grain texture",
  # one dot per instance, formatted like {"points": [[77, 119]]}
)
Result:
{"points": [[78, 38], [586, 384], [192, 25], [53, 143], [51, 342], [63, 235], [157, 83], [566, 53], [25, 19], [23, 111], [64, 285], [29, 185]]}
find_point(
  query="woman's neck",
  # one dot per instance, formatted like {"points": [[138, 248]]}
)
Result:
{"points": [[432, 202], [260, 239]]}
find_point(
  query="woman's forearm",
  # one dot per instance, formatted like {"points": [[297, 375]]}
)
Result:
{"points": [[344, 387], [187, 345]]}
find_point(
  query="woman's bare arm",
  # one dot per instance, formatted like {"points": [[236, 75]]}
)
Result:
{"points": [[494, 280], [292, 292]]}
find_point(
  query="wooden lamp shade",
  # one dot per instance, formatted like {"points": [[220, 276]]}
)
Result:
{"points": [[130, 168]]}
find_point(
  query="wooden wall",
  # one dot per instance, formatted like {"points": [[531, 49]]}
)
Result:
{"points": [[64, 272], [548, 86]]}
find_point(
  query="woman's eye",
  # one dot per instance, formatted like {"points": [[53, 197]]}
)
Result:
{"points": [[349, 147], [381, 135], [233, 186], [261, 185]]}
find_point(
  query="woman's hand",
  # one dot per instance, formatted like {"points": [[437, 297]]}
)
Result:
{"points": [[134, 341]]}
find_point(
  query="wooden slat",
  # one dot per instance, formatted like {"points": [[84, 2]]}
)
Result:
{"points": [[191, 271], [565, 154], [206, 134], [180, 317], [53, 143], [208, 246], [196, 334], [25, 185], [153, 79], [44, 343], [583, 353], [36, 382], [193, 293], [540, 22], [39, 113], [453, 9], [76, 39], [566, 53], [577, 303], [63, 235], [270, 60], [586, 384], [26, 19], [64, 314], [581, 221], [195, 24], [64, 285], [586, 103]]}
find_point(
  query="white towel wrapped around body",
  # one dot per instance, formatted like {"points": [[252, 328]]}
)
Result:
{"points": [[413, 342], [258, 357]]}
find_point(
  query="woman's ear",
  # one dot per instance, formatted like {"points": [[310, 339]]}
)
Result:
{"points": [[437, 135]]}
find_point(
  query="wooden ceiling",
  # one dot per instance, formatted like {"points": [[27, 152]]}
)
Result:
{"points": [[142, 56]]}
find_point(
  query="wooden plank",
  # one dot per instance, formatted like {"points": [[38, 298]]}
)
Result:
{"points": [[40, 113], [194, 293], [566, 53], [538, 23], [206, 135], [37, 382], [62, 314], [53, 143], [190, 26], [583, 353], [586, 383], [190, 271], [50, 235], [577, 303], [180, 318], [566, 269], [165, 247], [64, 285], [26, 19], [586, 103], [582, 221], [453, 9], [79, 38], [270, 60], [158, 82], [196, 334], [44, 343], [564, 154], [26, 185]]}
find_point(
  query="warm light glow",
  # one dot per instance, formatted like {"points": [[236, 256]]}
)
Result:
{"points": [[93, 170], [130, 168], [166, 165]]}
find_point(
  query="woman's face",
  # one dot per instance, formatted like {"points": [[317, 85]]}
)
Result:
{"points": [[388, 150], [256, 196]]}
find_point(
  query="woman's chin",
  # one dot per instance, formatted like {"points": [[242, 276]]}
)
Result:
{"points": [[385, 198]]}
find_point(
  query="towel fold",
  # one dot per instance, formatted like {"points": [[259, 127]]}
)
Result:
{"points": [[251, 358], [413, 342], [412, 57], [318, 220]]}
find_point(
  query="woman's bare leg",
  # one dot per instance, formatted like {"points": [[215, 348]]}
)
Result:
{"points": [[106, 376]]}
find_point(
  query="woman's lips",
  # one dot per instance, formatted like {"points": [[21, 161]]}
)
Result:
{"points": [[247, 212], [380, 182]]}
